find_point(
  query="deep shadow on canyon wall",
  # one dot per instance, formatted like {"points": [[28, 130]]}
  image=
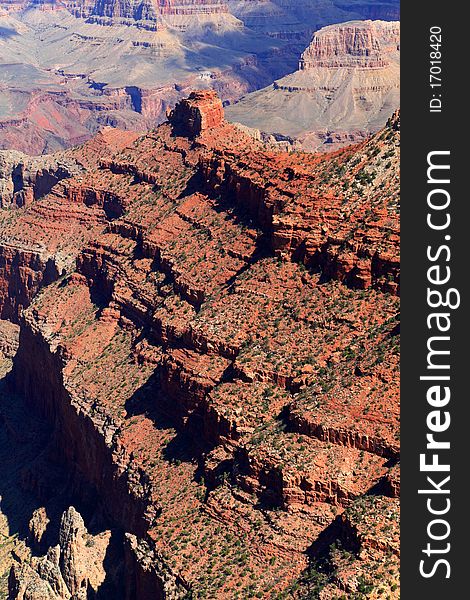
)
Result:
{"points": [[76, 463], [36, 488]]}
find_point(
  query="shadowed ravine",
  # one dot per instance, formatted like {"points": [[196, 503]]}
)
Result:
{"points": [[35, 492]]}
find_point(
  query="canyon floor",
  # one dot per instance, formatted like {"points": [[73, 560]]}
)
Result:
{"points": [[209, 342]]}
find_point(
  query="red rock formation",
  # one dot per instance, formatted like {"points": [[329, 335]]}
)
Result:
{"points": [[22, 274], [198, 113], [319, 224], [217, 347], [39, 242]]}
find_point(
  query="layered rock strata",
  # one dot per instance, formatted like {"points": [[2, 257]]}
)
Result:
{"points": [[122, 65], [201, 111], [39, 242], [345, 88], [363, 45], [193, 356]]}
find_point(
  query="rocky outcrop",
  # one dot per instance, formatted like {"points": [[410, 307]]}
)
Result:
{"points": [[198, 113], [37, 527], [372, 542], [24, 179], [72, 562], [8, 339], [22, 274], [72, 570], [361, 44], [106, 463], [148, 576], [40, 237], [290, 214], [26, 584]]}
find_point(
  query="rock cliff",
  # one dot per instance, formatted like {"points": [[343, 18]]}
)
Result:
{"points": [[345, 88], [122, 64], [219, 360], [39, 242], [363, 45], [24, 179], [296, 21]]}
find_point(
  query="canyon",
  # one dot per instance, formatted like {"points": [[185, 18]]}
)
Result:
{"points": [[347, 85], [69, 68], [207, 332]]}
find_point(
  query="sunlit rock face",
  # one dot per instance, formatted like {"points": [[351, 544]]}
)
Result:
{"points": [[361, 44], [346, 86], [200, 112]]}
